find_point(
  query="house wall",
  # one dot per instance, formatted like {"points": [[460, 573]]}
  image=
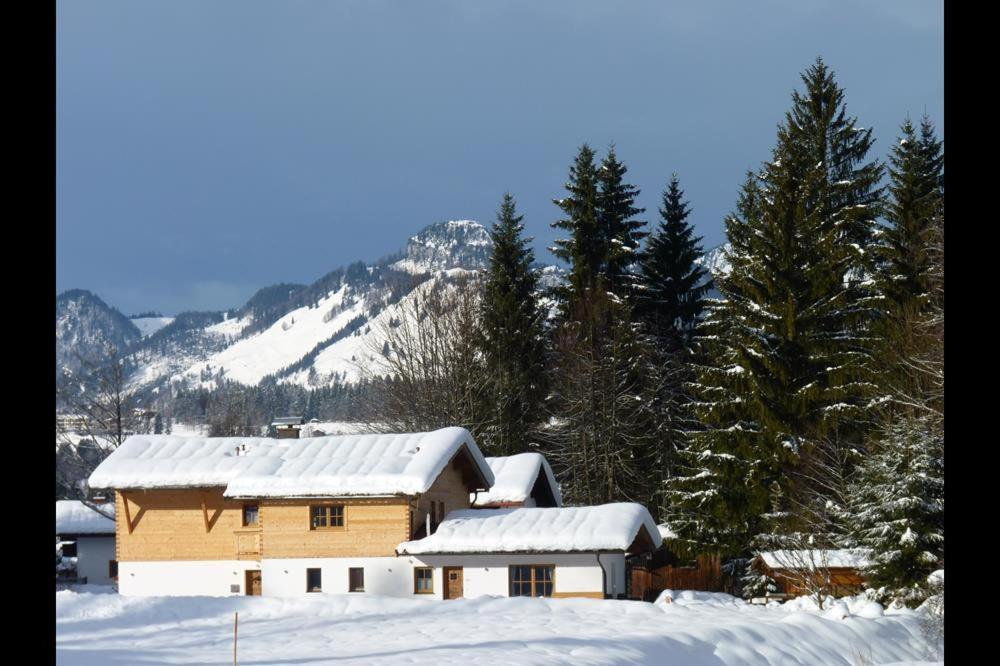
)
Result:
{"points": [[372, 528], [576, 574], [448, 488], [170, 525], [183, 578], [93, 555]]}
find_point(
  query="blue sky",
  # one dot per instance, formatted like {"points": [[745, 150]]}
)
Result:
{"points": [[206, 149]]}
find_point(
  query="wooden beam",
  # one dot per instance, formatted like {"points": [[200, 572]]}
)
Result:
{"points": [[128, 513], [204, 512]]}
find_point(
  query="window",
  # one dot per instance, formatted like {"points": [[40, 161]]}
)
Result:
{"points": [[314, 580], [326, 517], [356, 579], [251, 515], [112, 568], [423, 580], [531, 580]]}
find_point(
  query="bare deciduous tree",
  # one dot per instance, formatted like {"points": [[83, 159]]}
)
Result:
{"points": [[427, 371]]}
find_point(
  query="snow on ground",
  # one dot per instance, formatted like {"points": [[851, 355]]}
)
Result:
{"points": [[694, 629], [149, 325]]}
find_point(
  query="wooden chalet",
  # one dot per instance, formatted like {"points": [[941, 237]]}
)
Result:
{"points": [[386, 514]]}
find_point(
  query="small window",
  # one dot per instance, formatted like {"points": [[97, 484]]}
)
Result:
{"points": [[314, 580], [356, 579], [423, 580], [326, 517], [531, 580], [113, 569], [251, 515]]}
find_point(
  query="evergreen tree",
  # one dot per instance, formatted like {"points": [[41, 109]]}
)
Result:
{"points": [[512, 337], [789, 347], [602, 368], [585, 248], [905, 254], [899, 512], [673, 284], [621, 232]]}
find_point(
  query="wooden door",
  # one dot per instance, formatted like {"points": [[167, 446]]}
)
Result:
{"points": [[453, 582], [253, 583]]}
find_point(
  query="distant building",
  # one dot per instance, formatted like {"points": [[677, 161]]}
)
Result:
{"points": [[288, 427], [88, 534]]}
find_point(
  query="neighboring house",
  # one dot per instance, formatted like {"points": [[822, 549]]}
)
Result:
{"points": [[283, 517], [524, 479], [86, 536], [552, 552], [799, 572]]}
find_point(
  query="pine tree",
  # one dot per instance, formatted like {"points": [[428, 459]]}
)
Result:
{"points": [[621, 232], [899, 512], [602, 367], [905, 256], [673, 284], [789, 350], [512, 342], [585, 249]]}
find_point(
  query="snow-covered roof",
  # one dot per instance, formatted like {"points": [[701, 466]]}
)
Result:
{"points": [[550, 529], [75, 517], [666, 532], [515, 476], [334, 466], [800, 559]]}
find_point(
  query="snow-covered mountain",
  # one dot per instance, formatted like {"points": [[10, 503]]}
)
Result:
{"points": [[85, 325], [310, 335]]}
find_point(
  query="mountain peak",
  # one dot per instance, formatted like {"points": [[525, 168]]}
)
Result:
{"points": [[446, 245]]}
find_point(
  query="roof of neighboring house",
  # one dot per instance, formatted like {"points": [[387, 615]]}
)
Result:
{"points": [[288, 420], [821, 559], [75, 517], [613, 527], [515, 477], [335, 466]]}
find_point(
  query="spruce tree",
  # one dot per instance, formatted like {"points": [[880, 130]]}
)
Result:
{"points": [[905, 255], [622, 233], [673, 283], [585, 247], [512, 337], [899, 511], [601, 366], [790, 351]]}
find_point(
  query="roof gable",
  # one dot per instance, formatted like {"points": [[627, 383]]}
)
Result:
{"points": [[343, 465], [517, 477]]}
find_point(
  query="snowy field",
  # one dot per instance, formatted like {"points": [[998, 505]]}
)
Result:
{"points": [[696, 628]]}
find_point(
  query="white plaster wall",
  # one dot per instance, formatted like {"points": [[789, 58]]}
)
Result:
{"points": [[390, 576], [489, 574], [93, 554], [183, 578]]}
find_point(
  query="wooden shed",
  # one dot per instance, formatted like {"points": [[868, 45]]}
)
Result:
{"points": [[650, 574], [801, 572]]}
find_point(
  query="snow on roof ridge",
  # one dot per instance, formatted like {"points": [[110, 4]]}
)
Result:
{"points": [[550, 529], [515, 477], [332, 465], [75, 517]]}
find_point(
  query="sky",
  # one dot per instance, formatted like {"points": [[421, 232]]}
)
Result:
{"points": [[207, 149]]}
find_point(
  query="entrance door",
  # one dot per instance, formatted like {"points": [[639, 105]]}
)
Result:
{"points": [[453, 582], [253, 583]]}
